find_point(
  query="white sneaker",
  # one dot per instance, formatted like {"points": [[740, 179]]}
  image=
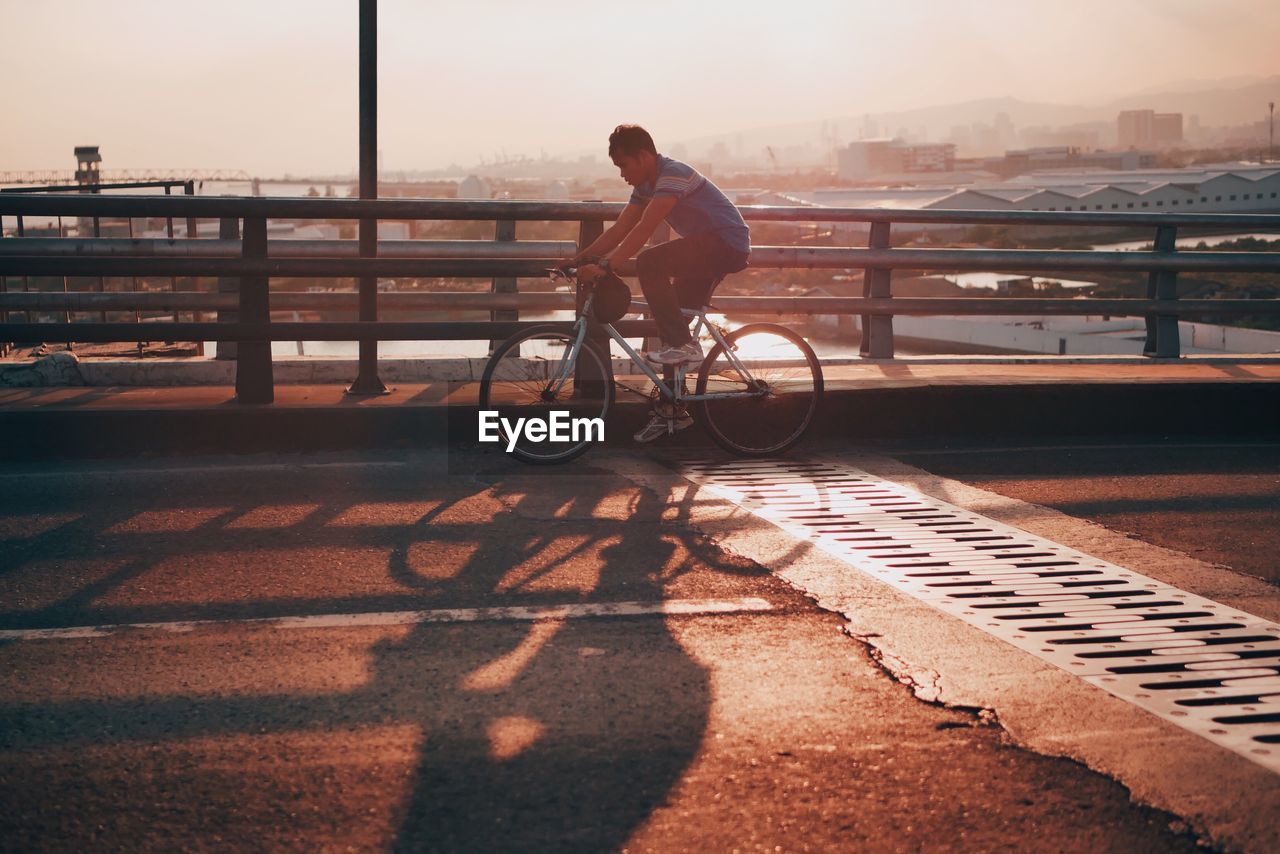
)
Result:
{"points": [[685, 354], [660, 426]]}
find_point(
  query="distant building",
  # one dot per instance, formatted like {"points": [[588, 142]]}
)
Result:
{"points": [[867, 158], [474, 187], [88, 164], [1147, 128], [1133, 128], [88, 174], [1022, 161], [1083, 138], [1222, 188], [1205, 189], [940, 157], [1167, 128]]}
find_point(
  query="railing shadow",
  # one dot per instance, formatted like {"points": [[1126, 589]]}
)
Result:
{"points": [[559, 734]]}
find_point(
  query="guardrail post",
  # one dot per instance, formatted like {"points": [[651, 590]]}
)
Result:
{"points": [[189, 189], [228, 229], [6, 346], [505, 232], [1162, 329], [585, 380], [877, 329], [26, 281], [102, 282], [367, 380], [254, 381]]}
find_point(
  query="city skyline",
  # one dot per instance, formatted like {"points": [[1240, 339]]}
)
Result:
{"points": [[273, 90]]}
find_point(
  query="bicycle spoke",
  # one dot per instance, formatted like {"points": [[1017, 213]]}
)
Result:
{"points": [[785, 379], [530, 377]]}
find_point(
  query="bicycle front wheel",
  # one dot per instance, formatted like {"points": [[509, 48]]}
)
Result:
{"points": [[782, 376], [530, 376]]}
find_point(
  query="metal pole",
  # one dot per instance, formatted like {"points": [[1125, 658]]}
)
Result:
{"points": [[504, 231], [173, 280], [228, 229], [877, 329], [1162, 329], [1271, 131], [4, 289], [189, 189], [367, 381], [137, 315], [254, 382], [26, 282], [588, 383], [66, 315]]}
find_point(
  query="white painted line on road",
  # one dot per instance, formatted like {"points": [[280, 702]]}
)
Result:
{"points": [[671, 607], [1185, 658], [1132, 446], [230, 466]]}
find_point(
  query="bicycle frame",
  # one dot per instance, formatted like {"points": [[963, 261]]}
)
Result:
{"points": [[676, 394]]}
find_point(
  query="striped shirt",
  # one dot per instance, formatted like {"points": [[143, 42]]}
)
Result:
{"points": [[701, 207]]}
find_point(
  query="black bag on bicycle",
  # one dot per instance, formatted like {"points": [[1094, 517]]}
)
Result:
{"points": [[611, 298]]}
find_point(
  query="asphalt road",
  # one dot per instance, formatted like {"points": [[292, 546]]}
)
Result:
{"points": [[745, 730]]}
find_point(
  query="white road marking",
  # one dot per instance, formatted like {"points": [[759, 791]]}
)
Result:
{"points": [[672, 607], [1133, 446], [231, 466]]}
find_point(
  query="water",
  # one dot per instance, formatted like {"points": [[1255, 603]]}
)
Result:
{"points": [[991, 281], [1185, 242]]}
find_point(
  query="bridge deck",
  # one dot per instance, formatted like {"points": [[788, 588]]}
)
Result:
{"points": [[867, 401]]}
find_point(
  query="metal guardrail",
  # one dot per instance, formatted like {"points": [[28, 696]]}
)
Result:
{"points": [[166, 184], [253, 260]]}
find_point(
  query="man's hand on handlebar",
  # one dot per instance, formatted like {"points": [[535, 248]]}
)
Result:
{"points": [[589, 272], [584, 268]]}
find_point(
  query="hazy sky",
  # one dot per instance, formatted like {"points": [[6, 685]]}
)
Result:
{"points": [[270, 86]]}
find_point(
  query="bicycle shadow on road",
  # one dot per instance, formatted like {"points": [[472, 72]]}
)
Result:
{"points": [[563, 734]]}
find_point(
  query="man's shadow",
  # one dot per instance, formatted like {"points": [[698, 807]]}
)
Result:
{"points": [[565, 734], [553, 734]]}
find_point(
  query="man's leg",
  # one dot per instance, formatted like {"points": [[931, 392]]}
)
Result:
{"points": [[656, 266], [693, 291]]}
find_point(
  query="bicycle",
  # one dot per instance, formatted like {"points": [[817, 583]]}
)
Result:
{"points": [[757, 390]]}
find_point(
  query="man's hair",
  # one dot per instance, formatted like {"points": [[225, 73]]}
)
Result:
{"points": [[631, 140]]}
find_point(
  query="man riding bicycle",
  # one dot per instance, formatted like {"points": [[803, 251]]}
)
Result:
{"points": [[714, 241]]}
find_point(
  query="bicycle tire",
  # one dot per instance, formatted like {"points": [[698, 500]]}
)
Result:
{"points": [[770, 424], [514, 384]]}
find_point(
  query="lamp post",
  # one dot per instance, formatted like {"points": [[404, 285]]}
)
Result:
{"points": [[367, 381], [1271, 131]]}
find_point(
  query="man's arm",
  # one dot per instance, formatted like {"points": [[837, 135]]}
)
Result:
{"points": [[614, 234], [654, 214]]}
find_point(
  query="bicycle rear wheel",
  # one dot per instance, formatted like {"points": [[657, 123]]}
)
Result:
{"points": [[521, 379], [786, 380]]}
